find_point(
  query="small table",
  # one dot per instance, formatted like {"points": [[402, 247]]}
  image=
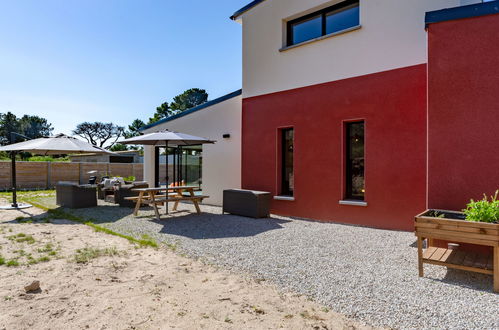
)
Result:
{"points": [[152, 196]]}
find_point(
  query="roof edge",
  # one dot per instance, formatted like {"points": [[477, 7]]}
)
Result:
{"points": [[245, 9], [474, 10], [199, 107]]}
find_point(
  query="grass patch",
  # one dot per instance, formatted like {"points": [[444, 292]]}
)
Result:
{"points": [[21, 238], [46, 249], [24, 219], [33, 261], [83, 256], [144, 241], [2, 260], [44, 259], [12, 263]]}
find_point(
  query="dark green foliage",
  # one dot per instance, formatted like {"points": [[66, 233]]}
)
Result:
{"points": [[187, 100], [31, 126], [162, 111], [134, 128], [35, 127], [119, 147]]}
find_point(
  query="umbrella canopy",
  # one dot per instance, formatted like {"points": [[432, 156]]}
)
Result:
{"points": [[55, 145], [167, 139], [162, 137]]}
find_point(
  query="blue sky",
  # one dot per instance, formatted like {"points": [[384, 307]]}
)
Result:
{"points": [[113, 60]]}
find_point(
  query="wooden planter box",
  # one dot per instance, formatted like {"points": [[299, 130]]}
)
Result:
{"points": [[457, 231]]}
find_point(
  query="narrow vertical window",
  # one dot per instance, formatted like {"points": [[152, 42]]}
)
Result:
{"points": [[355, 187], [287, 146]]}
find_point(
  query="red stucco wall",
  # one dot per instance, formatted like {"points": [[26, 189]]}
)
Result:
{"points": [[463, 111], [393, 105]]}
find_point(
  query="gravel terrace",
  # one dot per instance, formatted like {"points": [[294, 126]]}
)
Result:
{"points": [[364, 273]]}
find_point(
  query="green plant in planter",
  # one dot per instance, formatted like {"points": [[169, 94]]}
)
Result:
{"points": [[483, 210]]}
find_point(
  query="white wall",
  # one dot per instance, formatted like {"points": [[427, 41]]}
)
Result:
{"points": [[392, 36], [222, 160]]}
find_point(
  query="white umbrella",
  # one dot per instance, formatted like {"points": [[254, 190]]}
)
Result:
{"points": [[170, 137], [167, 138], [55, 145]]}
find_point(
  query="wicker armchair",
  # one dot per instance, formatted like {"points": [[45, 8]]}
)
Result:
{"points": [[74, 196]]}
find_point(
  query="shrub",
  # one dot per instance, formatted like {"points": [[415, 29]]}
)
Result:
{"points": [[483, 210]]}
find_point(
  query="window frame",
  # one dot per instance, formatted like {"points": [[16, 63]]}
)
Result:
{"points": [[344, 5], [347, 172], [282, 172]]}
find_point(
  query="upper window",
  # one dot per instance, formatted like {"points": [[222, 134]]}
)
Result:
{"points": [[330, 20]]}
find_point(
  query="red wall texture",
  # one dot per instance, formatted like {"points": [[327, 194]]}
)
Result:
{"points": [[463, 111], [393, 105]]}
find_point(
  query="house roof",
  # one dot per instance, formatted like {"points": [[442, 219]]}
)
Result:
{"points": [[449, 14], [245, 9], [199, 107]]}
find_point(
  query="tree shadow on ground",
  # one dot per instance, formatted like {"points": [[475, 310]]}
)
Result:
{"points": [[211, 226]]}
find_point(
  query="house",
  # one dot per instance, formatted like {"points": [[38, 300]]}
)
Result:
{"points": [[220, 163], [127, 156], [357, 111], [358, 117]]}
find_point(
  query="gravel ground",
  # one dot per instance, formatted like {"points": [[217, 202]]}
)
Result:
{"points": [[364, 273]]}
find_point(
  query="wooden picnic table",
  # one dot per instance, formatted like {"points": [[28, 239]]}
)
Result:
{"points": [[154, 197]]}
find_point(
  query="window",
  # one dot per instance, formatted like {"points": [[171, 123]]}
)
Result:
{"points": [[355, 188], [330, 20], [287, 141]]}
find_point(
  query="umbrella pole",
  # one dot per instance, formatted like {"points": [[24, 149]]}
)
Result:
{"points": [[14, 183], [167, 177]]}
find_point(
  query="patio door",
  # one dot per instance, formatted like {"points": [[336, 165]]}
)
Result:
{"points": [[184, 166], [187, 165]]}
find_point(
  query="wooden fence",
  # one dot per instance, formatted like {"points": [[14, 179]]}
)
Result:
{"points": [[45, 175]]}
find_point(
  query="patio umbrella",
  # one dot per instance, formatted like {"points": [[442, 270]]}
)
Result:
{"points": [[55, 145], [166, 138]]}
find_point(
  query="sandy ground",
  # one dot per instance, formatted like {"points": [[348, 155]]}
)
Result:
{"points": [[132, 288]]}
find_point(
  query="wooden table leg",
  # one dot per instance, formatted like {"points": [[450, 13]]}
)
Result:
{"points": [[496, 268], [195, 201], [155, 207], [420, 256], [179, 194], [139, 201]]}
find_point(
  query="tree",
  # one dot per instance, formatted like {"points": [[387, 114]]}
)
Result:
{"points": [[118, 147], [162, 111], [8, 124], [31, 126], [134, 128], [188, 99], [35, 127], [99, 134]]}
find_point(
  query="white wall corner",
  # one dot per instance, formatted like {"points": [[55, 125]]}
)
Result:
{"points": [[149, 165]]}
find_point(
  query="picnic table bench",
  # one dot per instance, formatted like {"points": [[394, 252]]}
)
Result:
{"points": [[161, 196]]}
